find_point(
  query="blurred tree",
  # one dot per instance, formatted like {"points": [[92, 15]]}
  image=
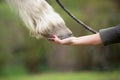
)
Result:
{"points": [[118, 3], [1, 1]]}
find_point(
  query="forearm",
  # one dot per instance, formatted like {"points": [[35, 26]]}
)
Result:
{"points": [[88, 40], [105, 36]]}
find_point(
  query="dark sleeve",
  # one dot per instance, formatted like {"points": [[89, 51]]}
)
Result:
{"points": [[110, 35]]}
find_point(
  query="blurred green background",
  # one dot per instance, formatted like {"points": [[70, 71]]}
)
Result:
{"points": [[23, 57]]}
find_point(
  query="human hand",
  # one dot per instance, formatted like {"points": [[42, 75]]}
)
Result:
{"points": [[67, 41]]}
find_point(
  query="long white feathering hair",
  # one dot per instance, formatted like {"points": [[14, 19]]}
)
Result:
{"points": [[40, 18]]}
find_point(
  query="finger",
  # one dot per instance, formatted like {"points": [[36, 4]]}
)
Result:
{"points": [[56, 39]]}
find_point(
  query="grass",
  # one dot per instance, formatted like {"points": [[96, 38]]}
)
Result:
{"points": [[68, 76]]}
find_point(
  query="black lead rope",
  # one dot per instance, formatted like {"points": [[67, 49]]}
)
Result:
{"points": [[73, 17]]}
